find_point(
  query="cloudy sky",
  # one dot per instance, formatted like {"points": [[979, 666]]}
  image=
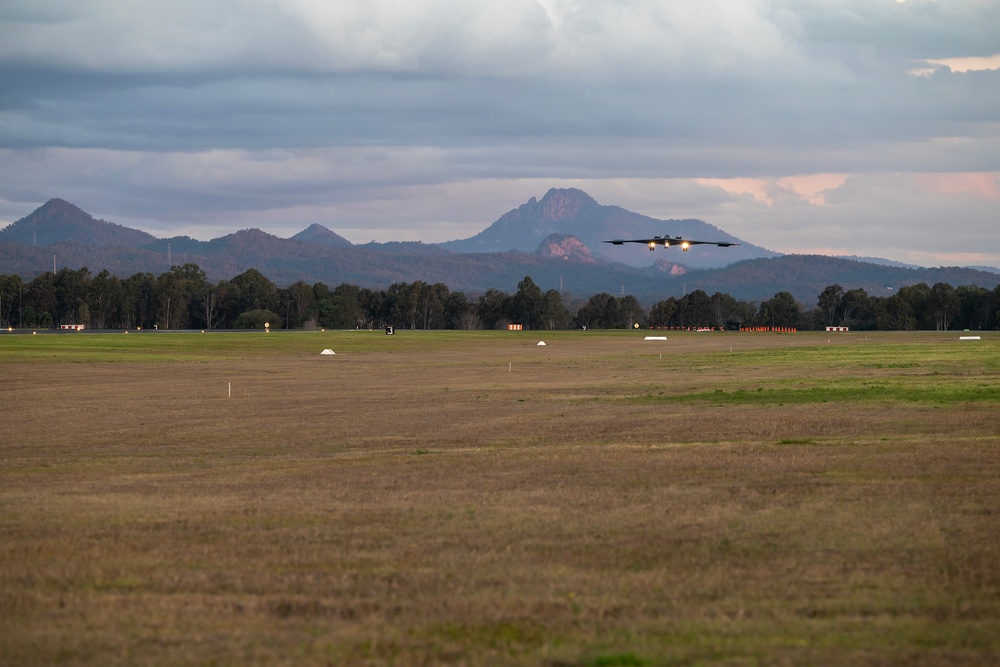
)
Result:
{"points": [[862, 127]]}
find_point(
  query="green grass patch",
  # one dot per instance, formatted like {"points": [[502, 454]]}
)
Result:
{"points": [[912, 352], [173, 346], [132, 347], [616, 660], [887, 392]]}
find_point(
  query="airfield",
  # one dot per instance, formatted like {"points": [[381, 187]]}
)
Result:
{"points": [[474, 498]]}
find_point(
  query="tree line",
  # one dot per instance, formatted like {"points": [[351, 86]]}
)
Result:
{"points": [[182, 298]]}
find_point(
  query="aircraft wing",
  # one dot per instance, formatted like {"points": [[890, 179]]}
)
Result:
{"points": [[667, 241]]}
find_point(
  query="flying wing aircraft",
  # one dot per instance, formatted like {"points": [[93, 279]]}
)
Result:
{"points": [[671, 240]]}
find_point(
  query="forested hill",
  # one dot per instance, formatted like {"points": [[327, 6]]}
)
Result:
{"points": [[58, 221], [61, 234], [375, 266], [804, 275]]}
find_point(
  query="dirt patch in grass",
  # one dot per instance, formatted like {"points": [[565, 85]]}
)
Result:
{"points": [[480, 500]]}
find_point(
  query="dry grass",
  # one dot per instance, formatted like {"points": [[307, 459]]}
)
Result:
{"points": [[474, 499]]}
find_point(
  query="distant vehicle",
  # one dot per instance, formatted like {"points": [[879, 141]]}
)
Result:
{"points": [[669, 241]]}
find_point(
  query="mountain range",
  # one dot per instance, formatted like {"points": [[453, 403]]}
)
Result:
{"points": [[574, 212], [556, 240]]}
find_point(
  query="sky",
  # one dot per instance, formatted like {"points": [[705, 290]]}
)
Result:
{"points": [[847, 127]]}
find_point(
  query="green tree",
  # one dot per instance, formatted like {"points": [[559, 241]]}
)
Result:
{"points": [[945, 305], [11, 300], [857, 309], [830, 303], [341, 309], [460, 313], [257, 318], [320, 291], [210, 305], [730, 313], [554, 313], [401, 300], [781, 311], [374, 308], [662, 313], [975, 307], [905, 310], [494, 308], [431, 305], [178, 293], [104, 298], [299, 302], [337, 312], [71, 296], [695, 310], [40, 300], [995, 309], [526, 305], [140, 294], [252, 290], [630, 311], [600, 312]]}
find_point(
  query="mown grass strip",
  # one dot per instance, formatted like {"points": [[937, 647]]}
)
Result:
{"points": [[890, 392], [172, 346]]}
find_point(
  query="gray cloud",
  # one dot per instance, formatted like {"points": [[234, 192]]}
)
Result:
{"points": [[389, 117]]}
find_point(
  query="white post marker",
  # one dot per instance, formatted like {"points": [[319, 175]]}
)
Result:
{"points": [[230, 390]]}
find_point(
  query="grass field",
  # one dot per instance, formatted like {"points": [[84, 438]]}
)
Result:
{"points": [[473, 498]]}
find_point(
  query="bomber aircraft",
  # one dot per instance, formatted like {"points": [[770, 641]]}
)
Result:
{"points": [[671, 240]]}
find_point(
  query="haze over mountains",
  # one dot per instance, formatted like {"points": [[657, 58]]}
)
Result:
{"points": [[557, 240]]}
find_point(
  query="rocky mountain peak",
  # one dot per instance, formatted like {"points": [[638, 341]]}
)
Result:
{"points": [[566, 247], [560, 204], [57, 212], [58, 221], [317, 234], [56, 206], [667, 268], [573, 211]]}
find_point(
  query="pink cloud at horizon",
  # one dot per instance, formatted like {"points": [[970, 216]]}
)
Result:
{"points": [[809, 188], [984, 183]]}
